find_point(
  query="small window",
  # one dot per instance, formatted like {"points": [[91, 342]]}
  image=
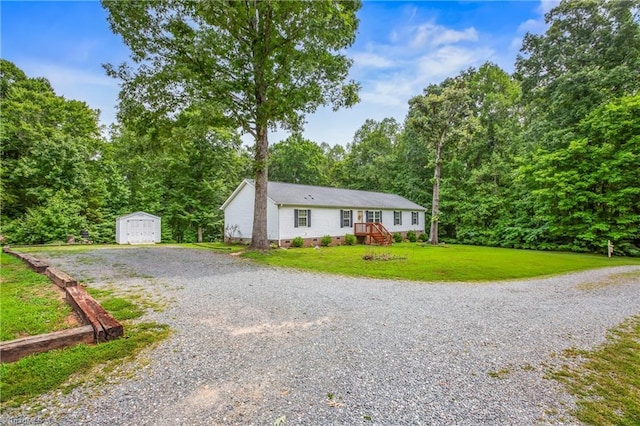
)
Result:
{"points": [[302, 218], [374, 216], [414, 218], [346, 218], [397, 218]]}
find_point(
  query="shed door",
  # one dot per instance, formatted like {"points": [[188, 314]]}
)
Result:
{"points": [[140, 231]]}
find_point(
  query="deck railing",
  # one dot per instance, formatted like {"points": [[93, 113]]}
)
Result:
{"points": [[374, 230]]}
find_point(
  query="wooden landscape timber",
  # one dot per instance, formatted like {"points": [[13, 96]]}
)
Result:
{"points": [[13, 350], [37, 265], [60, 278], [99, 326], [105, 326]]}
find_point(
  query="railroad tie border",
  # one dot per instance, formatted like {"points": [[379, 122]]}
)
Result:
{"points": [[99, 326]]}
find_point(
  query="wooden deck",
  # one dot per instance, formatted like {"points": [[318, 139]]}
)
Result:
{"points": [[374, 233]]}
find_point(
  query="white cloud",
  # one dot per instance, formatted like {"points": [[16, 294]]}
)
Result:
{"points": [[390, 92], [339, 127], [394, 36], [449, 60], [90, 85], [546, 6], [393, 70], [71, 79], [433, 35], [371, 60], [536, 26], [516, 43]]}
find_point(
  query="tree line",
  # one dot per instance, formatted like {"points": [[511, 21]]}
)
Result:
{"points": [[545, 158]]}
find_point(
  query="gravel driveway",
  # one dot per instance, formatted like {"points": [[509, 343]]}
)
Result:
{"points": [[261, 345]]}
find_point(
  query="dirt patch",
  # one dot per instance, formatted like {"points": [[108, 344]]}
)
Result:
{"points": [[612, 280], [268, 328], [278, 329], [72, 320]]}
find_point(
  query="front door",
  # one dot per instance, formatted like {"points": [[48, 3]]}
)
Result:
{"points": [[360, 215]]}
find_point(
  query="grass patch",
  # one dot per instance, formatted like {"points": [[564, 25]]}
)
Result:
{"points": [[217, 246], [419, 262], [29, 303], [606, 382], [500, 374], [68, 368], [68, 248], [82, 248], [122, 309], [37, 374]]}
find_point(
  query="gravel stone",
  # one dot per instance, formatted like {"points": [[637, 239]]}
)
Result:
{"points": [[262, 345]]}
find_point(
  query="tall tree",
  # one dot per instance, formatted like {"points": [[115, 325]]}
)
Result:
{"points": [[483, 183], [369, 155], [589, 55], [442, 119], [589, 192], [199, 176], [298, 160], [336, 164], [588, 58], [50, 146], [262, 63]]}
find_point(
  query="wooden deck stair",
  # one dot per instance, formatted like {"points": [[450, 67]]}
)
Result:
{"points": [[376, 232]]}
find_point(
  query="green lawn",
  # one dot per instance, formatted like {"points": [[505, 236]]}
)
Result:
{"points": [[30, 305], [421, 262], [82, 248], [29, 302], [606, 382]]}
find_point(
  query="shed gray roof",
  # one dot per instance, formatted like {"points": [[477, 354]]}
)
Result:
{"points": [[321, 196]]}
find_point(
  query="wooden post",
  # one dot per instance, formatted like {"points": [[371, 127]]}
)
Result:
{"points": [[609, 248]]}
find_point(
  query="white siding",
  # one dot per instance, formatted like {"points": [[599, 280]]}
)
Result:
{"points": [[326, 221], [272, 221], [238, 215], [388, 221]]}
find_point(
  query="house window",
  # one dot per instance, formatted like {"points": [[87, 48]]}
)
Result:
{"points": [[397, 218], [414, 218], [374, 216], [346, 218], [302, 218]]}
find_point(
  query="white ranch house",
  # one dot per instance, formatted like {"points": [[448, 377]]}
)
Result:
{"points": [[312, 212]]}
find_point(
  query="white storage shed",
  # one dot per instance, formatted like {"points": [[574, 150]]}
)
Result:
{"points": [[138, 228]]}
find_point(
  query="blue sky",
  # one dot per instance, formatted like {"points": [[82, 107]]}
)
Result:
{"points": [[401, 47]]}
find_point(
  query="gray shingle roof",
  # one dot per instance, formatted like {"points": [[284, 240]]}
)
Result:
{"points": [[320, 196]]}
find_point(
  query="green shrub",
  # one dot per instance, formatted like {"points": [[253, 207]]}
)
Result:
{"points": [[411, 236], [54, 220], [397, 237], [424, 237], [297, 242], [350, 239], [326, 240]]}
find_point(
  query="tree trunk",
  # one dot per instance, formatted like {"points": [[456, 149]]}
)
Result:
{"points": [[199, 234], [259, 238], [435, 204]]}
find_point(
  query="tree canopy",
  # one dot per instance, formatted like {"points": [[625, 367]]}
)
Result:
{"points": [[262, 64], [546, 158]]}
